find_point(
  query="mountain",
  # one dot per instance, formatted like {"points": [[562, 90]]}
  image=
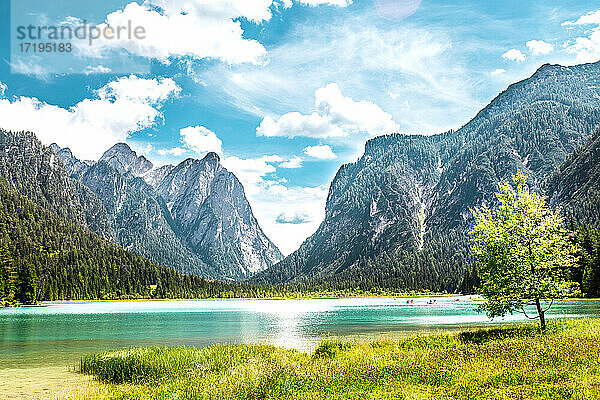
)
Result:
{"points": [[194, 216], [125, 160], [215, 220], [400, 215], [575, 186], [53, 258], [36, 172], [140, 217]]}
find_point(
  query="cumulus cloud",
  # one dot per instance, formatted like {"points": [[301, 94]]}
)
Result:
{"points": [[314, 3], [336, 116], [593, 17], [294, 219], [177, 28], [123, 106], [514, 55], [586, 48], [98, 69], [321, 152], [252, 171], [539, 47], [498, 71], [3, 88], [421, 63], [295, 162], [276, 199], [175, 151], [201, 140]]}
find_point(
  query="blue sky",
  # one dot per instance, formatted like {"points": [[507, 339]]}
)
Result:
{"points": [[285, 91]]}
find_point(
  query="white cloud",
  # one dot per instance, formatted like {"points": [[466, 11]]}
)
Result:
{"points": [[321, 152], [423, 65], [187, 28], [29, 67], [123, 106], [295, 162], [201, 140], [498, 71], [514, 55], [314, 3], [140, 90], [337, 116], [593, 17], [394, 96], [3, 88], [140, 148], [175, 151], [270, 198], [252, 171], [586, 48], [293, 219], [276, 199], [98, 69], [539, 47]]}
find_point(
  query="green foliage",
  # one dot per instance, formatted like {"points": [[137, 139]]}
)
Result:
{"points": [[7, 275], [523, 252], [328, 348], [589, 260], [27, 286], [575, 186], [514, 362], [45, 257]]}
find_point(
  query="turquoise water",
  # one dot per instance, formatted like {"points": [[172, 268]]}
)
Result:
{"points": [[61, 333]]}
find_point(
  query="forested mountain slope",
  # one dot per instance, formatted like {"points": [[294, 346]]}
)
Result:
{"points": [[575, 186], [399, 216], [60, 260], [36, 172]]}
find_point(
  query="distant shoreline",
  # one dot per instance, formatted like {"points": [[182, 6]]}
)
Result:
{"points": [[45, 304]]}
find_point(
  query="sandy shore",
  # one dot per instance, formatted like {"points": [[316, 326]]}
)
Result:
{"points": [[43, 383]]}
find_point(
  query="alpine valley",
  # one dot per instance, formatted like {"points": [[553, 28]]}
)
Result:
{"points": [[398, 218], [400, 215]]}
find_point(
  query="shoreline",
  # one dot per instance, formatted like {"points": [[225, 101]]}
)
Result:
{"points": [[477, 298], [391, 296]]}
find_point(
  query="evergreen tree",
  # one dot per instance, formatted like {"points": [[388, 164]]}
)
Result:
{"points": [[589, 261], [27, 286]]}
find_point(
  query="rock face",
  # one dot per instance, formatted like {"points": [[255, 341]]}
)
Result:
{"points": [[193, 217], [214, 218], [400, 214], [125, 160]]}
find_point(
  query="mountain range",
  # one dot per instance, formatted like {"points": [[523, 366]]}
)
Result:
{"points": [[397, 218], [193, 217]]}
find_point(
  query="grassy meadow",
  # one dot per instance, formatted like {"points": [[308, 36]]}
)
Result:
{"points": [[514, 362]]}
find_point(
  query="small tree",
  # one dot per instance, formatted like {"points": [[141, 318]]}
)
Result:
{"points": [[523, 253]]}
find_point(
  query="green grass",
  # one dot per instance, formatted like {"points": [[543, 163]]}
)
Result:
{"points": [[516, 362]]}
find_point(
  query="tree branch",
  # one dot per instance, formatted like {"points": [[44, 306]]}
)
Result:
{"points": [[551, 302], [528, 317]]}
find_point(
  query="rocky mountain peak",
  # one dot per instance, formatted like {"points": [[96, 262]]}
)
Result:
{"points": [[211, 157], [125, 160]]}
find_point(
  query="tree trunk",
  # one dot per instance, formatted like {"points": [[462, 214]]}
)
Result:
{"points": [[541, 314]]}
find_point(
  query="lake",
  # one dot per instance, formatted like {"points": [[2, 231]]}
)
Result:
{"points": [[50, 340]]}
